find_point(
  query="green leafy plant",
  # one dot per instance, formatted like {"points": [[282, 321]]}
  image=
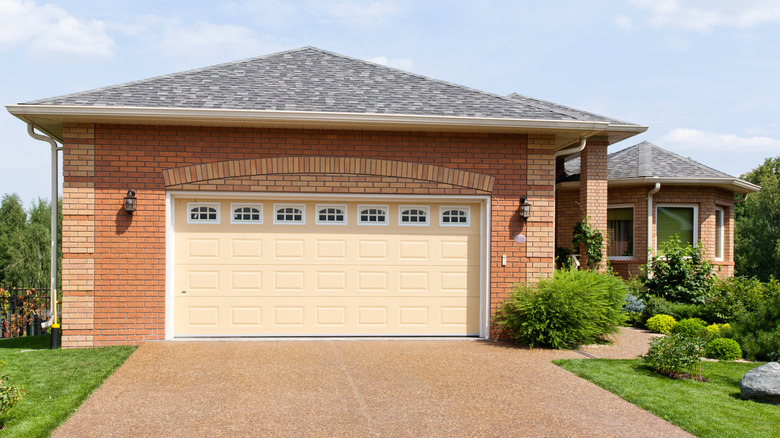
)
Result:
{"points": [[674, 355], [758, 332], [661, 324], [737, 295], [681, 275], [572, 308], [9, 394], [723, 349], [591, 240], [694, 327]]}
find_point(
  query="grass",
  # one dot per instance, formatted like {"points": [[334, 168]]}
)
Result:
{"points": [[705, 409], [55, 382]]}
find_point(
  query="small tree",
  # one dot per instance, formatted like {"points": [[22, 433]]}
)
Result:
{"points": [[681, 275], [591, 240]]}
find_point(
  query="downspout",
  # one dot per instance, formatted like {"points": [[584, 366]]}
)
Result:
{"points": [[574, 150], [650, 219], [55, 340]]}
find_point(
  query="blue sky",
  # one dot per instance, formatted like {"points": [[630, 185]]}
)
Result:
{"points": [[704, 75]]}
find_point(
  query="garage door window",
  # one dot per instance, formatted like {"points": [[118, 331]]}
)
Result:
{"points": [[331, 215], [413, 215], [454, 216], [246, 213], [289, 214], [372, 215], [203, 213]]}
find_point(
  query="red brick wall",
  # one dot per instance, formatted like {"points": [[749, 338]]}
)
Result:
{"points": [[115, 288], [706, 198]]}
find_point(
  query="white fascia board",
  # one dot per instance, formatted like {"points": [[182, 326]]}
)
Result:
{"points": [[741, 186], [233, 116]]}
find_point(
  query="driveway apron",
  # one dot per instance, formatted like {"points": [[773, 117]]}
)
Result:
{"points": [[353, 388]]}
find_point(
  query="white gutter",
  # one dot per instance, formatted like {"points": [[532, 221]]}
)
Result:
{"points": [[650, 194], [54, 217], [736, 182]]}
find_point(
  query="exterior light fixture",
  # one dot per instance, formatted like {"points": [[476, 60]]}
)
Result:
{"points": [[130, 201], [525, 208]]}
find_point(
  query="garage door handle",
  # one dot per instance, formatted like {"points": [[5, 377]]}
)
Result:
{"points": [[184, 291]]}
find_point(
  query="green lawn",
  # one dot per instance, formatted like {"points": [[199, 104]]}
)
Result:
{"points": [[56, 381], [705, 409]]}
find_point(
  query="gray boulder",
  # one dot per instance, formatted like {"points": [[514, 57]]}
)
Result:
{"points": [[762, 384]]}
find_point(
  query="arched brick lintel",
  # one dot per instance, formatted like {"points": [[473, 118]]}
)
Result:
{"points": [[327, 165]]}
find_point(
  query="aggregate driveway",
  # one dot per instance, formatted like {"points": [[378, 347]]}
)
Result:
{"points": [[353, 388]]}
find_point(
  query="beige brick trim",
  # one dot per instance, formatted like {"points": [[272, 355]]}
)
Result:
{"points": [[327, 165]]}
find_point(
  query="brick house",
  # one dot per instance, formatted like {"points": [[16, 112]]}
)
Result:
{"points": [[308, 193], [682, 197]]}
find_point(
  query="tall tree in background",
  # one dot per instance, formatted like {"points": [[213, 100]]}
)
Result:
{"points": [[25, 243], [757, 236]]}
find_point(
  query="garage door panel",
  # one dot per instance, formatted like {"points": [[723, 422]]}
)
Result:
{"points": [[305, 280]]}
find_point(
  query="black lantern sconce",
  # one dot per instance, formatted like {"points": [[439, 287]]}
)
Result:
{"points": [[130, 201], [525, 208]]}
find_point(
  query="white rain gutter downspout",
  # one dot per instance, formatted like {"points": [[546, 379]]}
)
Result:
{"points": [[573, 150], [54, 231], [650, 218], [743, 199]]}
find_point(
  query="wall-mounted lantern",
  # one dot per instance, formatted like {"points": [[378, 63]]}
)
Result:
{"points": [[130, 201], [525, 208]]}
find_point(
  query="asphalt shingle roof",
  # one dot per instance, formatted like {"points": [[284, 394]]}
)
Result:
{"points": [[314, 80], [647, 160]]}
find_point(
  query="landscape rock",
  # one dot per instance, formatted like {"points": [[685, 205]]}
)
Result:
{"points": [[762, 384]]}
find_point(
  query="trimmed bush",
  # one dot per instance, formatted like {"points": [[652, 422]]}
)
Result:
{"points": [[723, 349], [694, 327], [661, 324], [570, 309], [674, 355], [714, 331]]}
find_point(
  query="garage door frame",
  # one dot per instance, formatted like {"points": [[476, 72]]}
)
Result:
{"points": [[484, 253]]}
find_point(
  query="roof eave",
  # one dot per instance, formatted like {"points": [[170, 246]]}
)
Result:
{"points": [[736, 185], [51, 117]]}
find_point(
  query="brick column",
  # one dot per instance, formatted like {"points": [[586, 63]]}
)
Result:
{"points": [[540, 227], [593, 188], [78, 236]]}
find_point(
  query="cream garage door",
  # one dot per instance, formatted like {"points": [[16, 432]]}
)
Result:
{"points": [[270, 267]]}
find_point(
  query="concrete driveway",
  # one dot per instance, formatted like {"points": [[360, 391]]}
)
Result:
{"points": [[353, 388]]}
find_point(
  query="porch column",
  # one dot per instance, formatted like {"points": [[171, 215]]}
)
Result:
{"points": [[593, 188]]}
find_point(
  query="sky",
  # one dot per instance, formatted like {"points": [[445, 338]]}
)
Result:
{"points": [[703, 75]]}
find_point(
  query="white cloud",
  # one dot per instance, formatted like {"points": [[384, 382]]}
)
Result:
{"points": [[623, 22], [704, 15], [695, 140], [49, 31], [401, 63]]}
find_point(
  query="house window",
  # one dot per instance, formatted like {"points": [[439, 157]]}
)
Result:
{"points": [[679, 220], [620, 229], [413, 215], [455, 216], [246, 213], [331, 215], [719, 229], [372, 215], [203, 213], [289, 214]]}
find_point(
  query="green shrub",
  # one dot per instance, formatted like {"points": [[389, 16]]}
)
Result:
{"points": [[681, 275], [686, 311], [572, 308], [723, 349], [726, 331], [714, 331], [694, 327], [758, 332], [735, 296], [674, 355], [9, 394], [656, 306], [661, 324]]}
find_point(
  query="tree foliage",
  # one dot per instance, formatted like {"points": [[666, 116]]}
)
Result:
{"points": [[25, 246], [757, 234], [681, 275]]}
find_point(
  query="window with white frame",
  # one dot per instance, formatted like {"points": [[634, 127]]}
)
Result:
{"points": [[331, 215], [203, 212], [246, 213], [413, 215], [719, 232], [620, 231], [454, 216], [676, 219], [372, 214], [289, 214]]}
